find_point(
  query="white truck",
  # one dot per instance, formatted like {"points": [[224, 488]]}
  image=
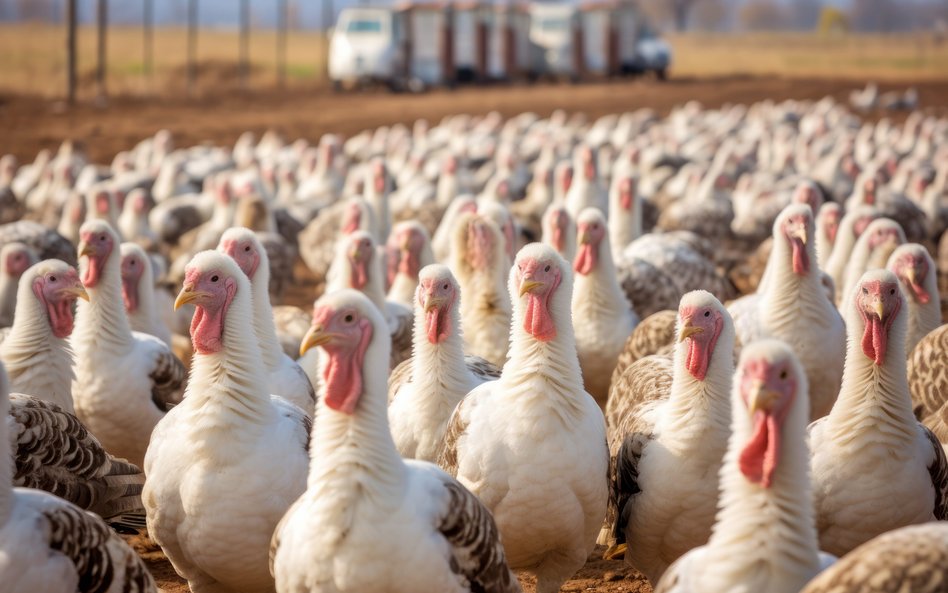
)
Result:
{"points": [[368, 45]]}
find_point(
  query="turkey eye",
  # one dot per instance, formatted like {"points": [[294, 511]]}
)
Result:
{"points": [[214, 278], [783, 374], [101, 237], [865, 291], [348, 318], [546, 269], [445, 287], [247, 248], [707, 313], [131, 263], [892, 292], [52, 278]]}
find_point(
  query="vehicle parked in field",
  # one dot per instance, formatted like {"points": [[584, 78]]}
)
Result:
{"points": [[367, 45]]}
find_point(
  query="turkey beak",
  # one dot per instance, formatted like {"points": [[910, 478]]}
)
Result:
{"points": [[761, 398], [316, 336], [799, 232], [529, 286], [688, 330], [433, 303], [77, 291], [188, 295], [584, 237], [86, 249], [878, 309], [911, 275]]}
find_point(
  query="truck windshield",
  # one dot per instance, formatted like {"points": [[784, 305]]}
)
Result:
{"points": [[364, 26], [553, 24]]}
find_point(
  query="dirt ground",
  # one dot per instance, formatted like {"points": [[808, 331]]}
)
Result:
{"points": [[602, 576], [29, 123]]}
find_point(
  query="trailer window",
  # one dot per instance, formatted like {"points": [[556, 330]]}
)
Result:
{"points": [[553, 24], [364, 26]]}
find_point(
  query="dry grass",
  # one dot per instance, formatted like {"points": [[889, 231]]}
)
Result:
{"points": [[34, 58], [857, 57]]}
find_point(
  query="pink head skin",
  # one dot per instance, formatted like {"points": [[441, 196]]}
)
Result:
{"points": [[537, 280], [767, 388], [16, 262], [77, 208], [883, 234], [450, 165], [344, 334], [850, 168], [133, 266], [588, 162], [57, 290], [807, 194], [869, 191], [102, 202], [378, 177], [795, 228], [211, 291], [351, 218], [830, 215], [409, 242], [437, 295], [97, 246], [590, 231], [139, 202], [862, 223], [878, 302], [360, 256], [243, 251], [912, 269], [559, 225], [701, 327], [565, 177], [480, 244], [627, 193]]}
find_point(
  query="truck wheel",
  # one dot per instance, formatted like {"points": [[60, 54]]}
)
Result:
{"points": [[337, 86], [662, 73]]}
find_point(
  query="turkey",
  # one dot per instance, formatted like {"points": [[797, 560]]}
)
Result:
{"points": [[357, 266], [124, 379], [602, 317], [478, 261], [443, 240], [410, 251], [50, 545], [133, 222], [508, 437], [625, 213], [827, 227], [585, 190], [284, 377], [431, 534], [908, 559], [851, 227], [46, 243], [915, 269], [928, 379], [425, 389], [559, 231], [872, 251], [875, 467], [793, 307], [139, 291], [666, 455], [15, 258], [226, 463], [36, 354], [764, 538]]}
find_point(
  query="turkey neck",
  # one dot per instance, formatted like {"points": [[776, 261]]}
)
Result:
{"points": [[232, 379], [31, 345], [765, 535], [6, 455], [874, 400], [789, 299], [102, 322], [625, 226], [553, 363], [922, 318], [695, 407], [599, 290], [263, 324], [353, 455], [439, 370], [8, 295]]}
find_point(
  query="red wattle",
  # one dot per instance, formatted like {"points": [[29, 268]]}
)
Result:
{"points": [[758, 458], [586, 259], [537, 320], [921, 295], [558, 238], [479, 246], [359, 277], [625, 200], [93, 272], [61, 317], [342, 375], [801, 259], [130, 294], [874, 340], [437, 325]]}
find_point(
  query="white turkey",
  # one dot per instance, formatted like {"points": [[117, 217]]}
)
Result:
{"points": [[284, 377], [53, 546], [226, 463], [827, 227], [559, 231], [875, 467], [764, 538], [36, 353], [425, 389], [603, 318], [428, 531], [872, 251], [851, 227], [916, 271], [508, 437], [585, 191], [625, 213], [124, 379], [409, 251], [666, 454], [139, 292], [15, 258], [479, 263]]}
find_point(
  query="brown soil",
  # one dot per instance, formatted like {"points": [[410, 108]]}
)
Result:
{"points": [[29, 123], [602, 576]]}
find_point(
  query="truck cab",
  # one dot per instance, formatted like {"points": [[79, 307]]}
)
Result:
{"points": [[367, 45]]}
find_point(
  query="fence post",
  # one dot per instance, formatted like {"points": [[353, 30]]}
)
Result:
{"points": [[148, 17], [71, 51], [102, 30], [192, 46], [244, 55], [281, 43]]}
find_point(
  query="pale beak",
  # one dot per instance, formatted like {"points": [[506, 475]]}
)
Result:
{"points": [[406, 245], [86, 249], [799, 233], [529, 286], [688, 330], [434, 303], [584, 238], [189, 295], [878, 309], [911, 275], [316, 336], [76, 291], [761, 398]]}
